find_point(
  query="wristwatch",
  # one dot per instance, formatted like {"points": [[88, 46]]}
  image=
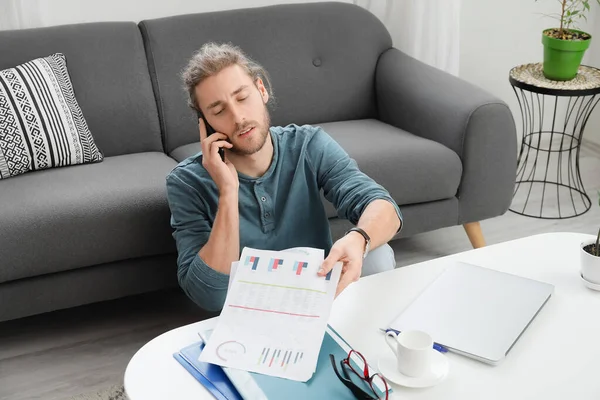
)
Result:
{"points": [[367, 239]]}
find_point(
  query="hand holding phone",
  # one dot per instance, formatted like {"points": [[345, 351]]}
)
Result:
{"points": [[222, 171], [209, 131]]}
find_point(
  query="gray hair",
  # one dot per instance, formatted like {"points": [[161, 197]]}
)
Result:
{"points": [[211, 59]]}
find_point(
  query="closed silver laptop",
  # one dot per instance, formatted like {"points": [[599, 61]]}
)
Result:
{"points": [[475, 311]]}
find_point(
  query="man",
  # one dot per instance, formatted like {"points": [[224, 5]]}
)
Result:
{"points": [[266, 193]]}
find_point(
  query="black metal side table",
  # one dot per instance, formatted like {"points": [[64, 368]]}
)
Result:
{"points": [[548, 183]]}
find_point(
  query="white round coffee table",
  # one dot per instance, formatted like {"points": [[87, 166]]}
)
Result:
{"points": [[154, 374], [557, 357]]}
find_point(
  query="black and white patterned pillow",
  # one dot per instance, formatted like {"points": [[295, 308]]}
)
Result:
{"points": [[41, 123]]}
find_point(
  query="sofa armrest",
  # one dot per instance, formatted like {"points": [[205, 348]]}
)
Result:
{"points": [[479, 127]]}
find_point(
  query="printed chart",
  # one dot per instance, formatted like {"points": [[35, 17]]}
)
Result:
{"points": [[270, 357], [275, 314], [277, 264]]}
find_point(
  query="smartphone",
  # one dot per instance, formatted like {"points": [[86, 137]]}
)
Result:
{"points": [[210, 131]]}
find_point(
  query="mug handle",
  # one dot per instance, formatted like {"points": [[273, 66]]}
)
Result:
{"points": [[393, 346]]}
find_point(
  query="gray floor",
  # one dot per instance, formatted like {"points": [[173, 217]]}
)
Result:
{"points": [[65, 353]]}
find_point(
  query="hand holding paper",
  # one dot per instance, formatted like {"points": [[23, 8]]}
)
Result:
{"points": [[275, 315], [348, 250]]}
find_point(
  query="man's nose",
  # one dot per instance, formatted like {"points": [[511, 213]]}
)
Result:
{"points": [[238, 116]]}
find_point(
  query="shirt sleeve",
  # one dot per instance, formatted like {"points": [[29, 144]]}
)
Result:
{"points": [[344, 185], [204, 285]]}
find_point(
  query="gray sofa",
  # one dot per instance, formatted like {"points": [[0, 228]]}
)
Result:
{"points": [[445, 149]]}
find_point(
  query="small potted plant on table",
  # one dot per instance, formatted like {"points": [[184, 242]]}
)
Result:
{"points": [[590, 261], [565, 46]]}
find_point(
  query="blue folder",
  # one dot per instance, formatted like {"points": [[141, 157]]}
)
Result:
{"points": [[210, 376], [323, 384]]}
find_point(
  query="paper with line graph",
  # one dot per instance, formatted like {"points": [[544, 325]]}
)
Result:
{"points": [[275, 314]]}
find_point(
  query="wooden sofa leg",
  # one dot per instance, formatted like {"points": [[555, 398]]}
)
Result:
{"points": [[475, 234]]}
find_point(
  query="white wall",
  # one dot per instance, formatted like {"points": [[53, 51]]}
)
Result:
{"points": [[500, 34]]}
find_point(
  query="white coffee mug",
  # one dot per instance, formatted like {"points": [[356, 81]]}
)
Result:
{"points": [[413, 351]]}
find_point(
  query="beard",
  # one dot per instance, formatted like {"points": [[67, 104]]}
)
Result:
{"points": [[258, 139]]}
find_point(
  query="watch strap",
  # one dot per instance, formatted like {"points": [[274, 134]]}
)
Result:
{"points": [[364, 235], [362, 232]]}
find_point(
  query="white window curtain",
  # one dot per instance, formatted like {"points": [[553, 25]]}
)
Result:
{"points": [[19, 14], [427, 30]]}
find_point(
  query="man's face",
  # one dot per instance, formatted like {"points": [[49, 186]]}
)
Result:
{"points": [[236, 106]]}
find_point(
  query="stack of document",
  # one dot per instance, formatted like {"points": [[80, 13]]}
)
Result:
{"points": [[233, 384], [275, 314]]}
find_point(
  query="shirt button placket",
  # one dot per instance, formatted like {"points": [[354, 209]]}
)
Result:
{"points": [[267, 213], [263, 204]]}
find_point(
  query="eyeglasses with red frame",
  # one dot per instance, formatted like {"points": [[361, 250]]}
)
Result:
{"points": [[377, 383]]}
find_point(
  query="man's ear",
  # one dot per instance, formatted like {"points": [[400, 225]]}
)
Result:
{"points": [[262, 90]]}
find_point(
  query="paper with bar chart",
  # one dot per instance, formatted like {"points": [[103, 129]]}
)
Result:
{"points": [[275, 314]]}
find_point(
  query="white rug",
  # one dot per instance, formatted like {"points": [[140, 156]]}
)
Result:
{"points": [[116, 392]]}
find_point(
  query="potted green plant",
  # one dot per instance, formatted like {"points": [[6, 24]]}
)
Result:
{"points": [[565, 46], [590, 260]]}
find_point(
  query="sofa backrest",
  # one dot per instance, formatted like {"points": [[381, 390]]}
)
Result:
{"points": [[321, 58], [109, 72]]}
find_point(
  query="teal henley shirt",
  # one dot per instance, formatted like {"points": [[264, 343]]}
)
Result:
{"points": [[279, 210]]}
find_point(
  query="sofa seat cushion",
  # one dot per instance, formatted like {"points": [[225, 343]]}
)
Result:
{"points": [[412, 169], [66, 218]]}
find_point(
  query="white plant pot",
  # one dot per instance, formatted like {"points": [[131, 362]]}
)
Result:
{"points": [[590, 264]]}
